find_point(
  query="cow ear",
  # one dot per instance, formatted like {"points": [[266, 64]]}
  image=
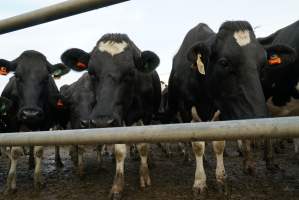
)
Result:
{"points": [[59, 70], [76, 59], [280, 55], [199, 55], [148, 62], [5, 105], [6, 67]]}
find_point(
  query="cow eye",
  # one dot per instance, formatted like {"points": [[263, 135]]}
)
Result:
{"points": [[224, 62]]}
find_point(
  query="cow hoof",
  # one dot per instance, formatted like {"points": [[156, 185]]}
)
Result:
{"points": [[200, 194], [224, 189], [115, 196], [249, 168]]}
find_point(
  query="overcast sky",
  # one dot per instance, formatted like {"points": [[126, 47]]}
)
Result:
{"points": [[156, 25]]}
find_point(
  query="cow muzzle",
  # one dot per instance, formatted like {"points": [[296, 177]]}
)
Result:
{"points": [[104, 122], [31, 115]]}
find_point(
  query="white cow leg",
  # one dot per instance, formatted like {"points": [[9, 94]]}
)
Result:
{"points": [[239, 142], [143, 150], [119, 181], [38, 179], [218, 147], [14, 155], [80, 161], [200, 185]]}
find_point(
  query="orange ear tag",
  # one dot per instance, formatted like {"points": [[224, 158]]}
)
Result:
{"points": [[3, 71], [59, 103], [81, 65], [274, 60]]}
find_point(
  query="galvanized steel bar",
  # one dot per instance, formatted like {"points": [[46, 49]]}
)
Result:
{"points": [[228, 130], [54, 12]]}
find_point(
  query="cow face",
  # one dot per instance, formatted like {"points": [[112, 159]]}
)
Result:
{"points": [[32, 88], [113, 66], [79, 98], [230, 62]]}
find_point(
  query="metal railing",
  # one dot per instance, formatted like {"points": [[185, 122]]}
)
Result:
{"points": [[202, 131], [228, 130], [54, 12]]}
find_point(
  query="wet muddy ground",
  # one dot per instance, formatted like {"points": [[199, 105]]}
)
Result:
{"points": [[171, 178]]}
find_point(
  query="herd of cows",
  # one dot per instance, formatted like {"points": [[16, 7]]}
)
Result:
{"points": [[226, 75]]}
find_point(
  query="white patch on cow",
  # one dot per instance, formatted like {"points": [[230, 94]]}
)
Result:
{"points": [[120, 153], [297, 86], [195, 116], [112, 47], [218, 147], [200, 65], [242, 37], [163, 86]]}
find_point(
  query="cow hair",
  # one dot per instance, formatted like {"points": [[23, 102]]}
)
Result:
{"points": [[236, 26]]}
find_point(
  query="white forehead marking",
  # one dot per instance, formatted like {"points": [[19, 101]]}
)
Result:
{"points": [[242, 37], [112, 47], [297, 86]]}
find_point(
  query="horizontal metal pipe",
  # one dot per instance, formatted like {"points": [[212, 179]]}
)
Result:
{"points": [[228, 130], [54, 12]]}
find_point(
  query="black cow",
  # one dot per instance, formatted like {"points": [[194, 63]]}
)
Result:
{"points": [[280, 77], [127, 91], [35, 101], [79, 100], [218, 71]]}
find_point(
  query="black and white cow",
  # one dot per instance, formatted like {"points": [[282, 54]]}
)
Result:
{"points": [[218, 71], [126, 89], [35, 101], [280, 77]]}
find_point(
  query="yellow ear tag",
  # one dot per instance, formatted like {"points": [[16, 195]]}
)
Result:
{"points": [[3, 71], [200, 65]]}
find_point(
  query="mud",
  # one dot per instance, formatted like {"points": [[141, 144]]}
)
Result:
{"points": [[172, 179]]}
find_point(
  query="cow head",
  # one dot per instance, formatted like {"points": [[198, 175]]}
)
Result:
{"points": [[79, 99], [113, 66], [32, 88], [230, 62]]}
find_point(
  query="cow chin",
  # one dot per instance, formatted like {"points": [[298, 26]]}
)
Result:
{"points": [[105, 122]]}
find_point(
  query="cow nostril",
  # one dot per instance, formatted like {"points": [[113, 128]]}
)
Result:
{"points": [[84, 123]]}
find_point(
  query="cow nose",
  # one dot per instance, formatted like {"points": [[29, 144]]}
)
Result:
{"points": [[31, 114], [84, 123], [103, 122]]}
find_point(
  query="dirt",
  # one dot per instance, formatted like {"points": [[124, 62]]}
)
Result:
{"points": [[172, 179]]}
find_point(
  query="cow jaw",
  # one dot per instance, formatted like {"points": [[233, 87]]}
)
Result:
{"points": [[112, 47]]}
